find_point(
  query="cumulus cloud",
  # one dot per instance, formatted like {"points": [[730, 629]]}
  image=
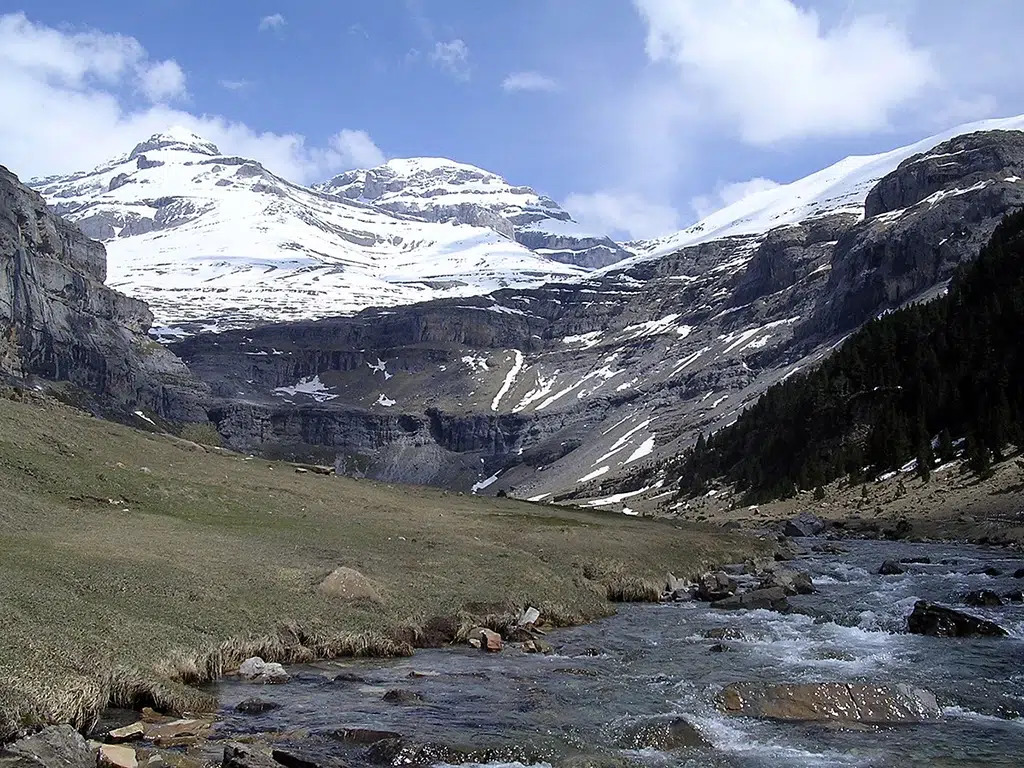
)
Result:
{"points": [[163, 82], [453, 58], [70, 103], [529, 81], [622, 214], [775, 72], [273, 21], [727, 194]]}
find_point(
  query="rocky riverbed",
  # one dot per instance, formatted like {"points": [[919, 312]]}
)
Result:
{"points": [[823, 678]]}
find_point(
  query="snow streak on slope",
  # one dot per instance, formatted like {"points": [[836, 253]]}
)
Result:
{"points": [[203, 236], [840, 188]]}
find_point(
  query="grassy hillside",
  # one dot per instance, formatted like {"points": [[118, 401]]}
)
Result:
{"points": [[132, 563]]}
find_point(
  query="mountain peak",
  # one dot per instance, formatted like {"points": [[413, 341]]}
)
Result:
{"points": [[176, 138]]}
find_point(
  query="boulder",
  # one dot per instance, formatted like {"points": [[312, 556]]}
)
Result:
{"points": [[1019, 573], [983, 598], [803, 525], [1014, 596], [537, 646], [257, 670], [403, 697], [715, 586], [773, 599], [793, 582], [348, 584], [56, 746], [117, 756], [831, 702], [256, 706], [663, 734], [489, 640], [939, 621], [401, 752], [891, 568]]}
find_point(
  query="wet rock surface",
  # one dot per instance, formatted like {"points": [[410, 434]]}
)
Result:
{"points": [[939, 621], [831, 702]]}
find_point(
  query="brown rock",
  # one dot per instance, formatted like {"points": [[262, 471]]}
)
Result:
{"points": [[831, 702], [349, 584], [664, 734], [176, 733], [489, 639]]}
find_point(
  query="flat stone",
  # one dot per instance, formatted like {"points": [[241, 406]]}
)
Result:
{"points": [[176, 730], [117, 756], [127, 733], [831, 702]]}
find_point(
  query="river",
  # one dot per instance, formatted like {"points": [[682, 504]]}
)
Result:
{"points": [[656, 660]]}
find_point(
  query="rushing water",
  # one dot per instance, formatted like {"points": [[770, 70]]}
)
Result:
{"points": [[656, 660]]}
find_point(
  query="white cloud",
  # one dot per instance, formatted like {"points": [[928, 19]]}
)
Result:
{"points": [[68, 106], [234, 85], [273, 21], [774, 71], [356, 149], [529, 81], [163, 82], [727, 194], [622, 213], [453, 58]]}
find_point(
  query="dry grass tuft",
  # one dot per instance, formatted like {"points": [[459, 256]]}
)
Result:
{"points": [[633, 589]]}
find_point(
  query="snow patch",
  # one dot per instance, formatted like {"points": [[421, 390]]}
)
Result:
{"points": [[510, 379], [310, 386]]}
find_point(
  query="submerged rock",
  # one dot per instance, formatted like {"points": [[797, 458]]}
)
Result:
{"points": [[256, 706], [803, 525], [831, 702], [1019, 573], [983, 598], [891, 568], [664, 734], [401, 752], [403, 697], [939, 621], [245, 756], [773, 599], [56, 746], [362, 735]]}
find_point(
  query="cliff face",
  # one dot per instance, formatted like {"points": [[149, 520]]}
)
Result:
{"points": [[59, 322], [583, 389]]}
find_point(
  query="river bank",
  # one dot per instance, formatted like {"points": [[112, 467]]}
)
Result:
{"points": [[138, 566]]}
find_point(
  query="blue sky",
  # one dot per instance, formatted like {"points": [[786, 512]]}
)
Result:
{"points": [[638, 115]]}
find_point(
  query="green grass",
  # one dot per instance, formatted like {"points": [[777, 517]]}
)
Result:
{"points": [[135, 565]]}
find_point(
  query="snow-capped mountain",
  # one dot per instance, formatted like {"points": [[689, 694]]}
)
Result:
{"points": [[204, 237], [440, 190], [840, 188]]}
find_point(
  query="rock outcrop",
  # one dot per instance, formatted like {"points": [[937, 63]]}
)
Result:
{"points": [[59, 322]]}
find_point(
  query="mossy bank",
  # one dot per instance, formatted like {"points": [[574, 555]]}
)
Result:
{"points": [[135, 565]]}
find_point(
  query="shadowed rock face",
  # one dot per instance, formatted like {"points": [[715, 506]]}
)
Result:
{"points": [[59, 322], [580, 390]]}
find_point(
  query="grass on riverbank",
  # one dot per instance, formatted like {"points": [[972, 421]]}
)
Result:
{"points": [[133, 565]]}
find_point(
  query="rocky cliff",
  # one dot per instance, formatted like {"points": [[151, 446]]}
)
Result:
{"points": [[581, 389], [59, 322]]}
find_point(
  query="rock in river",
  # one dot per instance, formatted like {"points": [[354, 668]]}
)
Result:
{"points": [[715, 586], [803, 525], [983, 598], [831, 702], [773, 599], [891, 568], [664, 734], [939, 621], [793, 582]]}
